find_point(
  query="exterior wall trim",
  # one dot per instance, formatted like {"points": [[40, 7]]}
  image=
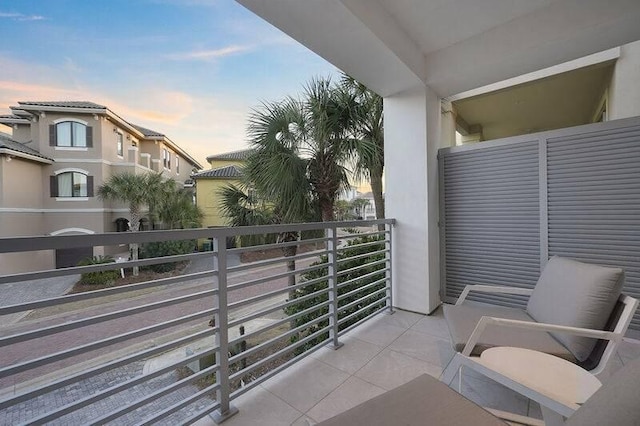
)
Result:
{"points": [[67, 230], [71, 169], [31, 210], [63, 119]]}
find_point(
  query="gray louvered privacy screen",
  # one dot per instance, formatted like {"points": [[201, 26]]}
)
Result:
{"points": [[508, 205]]}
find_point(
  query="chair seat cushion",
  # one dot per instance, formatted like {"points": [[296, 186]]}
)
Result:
{"points": [[462, 320], [575, 294], [422, 401]]}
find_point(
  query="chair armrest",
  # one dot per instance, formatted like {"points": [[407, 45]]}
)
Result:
{"points": [[528, 325], [492, 289]]}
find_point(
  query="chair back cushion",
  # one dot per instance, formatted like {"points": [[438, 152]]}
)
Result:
{"points": [[575, 294], [615, 403]]}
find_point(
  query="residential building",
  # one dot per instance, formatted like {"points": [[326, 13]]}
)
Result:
{"points": [[225, 169], [51, 165]]}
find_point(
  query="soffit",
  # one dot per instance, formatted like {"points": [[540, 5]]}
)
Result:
{"points": [[563, 100]]}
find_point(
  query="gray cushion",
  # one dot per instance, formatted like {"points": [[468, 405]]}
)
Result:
{"points": [[462, 320], [422, 401], [615, 403], [575, 294]]}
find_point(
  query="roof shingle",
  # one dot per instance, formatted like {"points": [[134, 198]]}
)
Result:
{"points": [[147, 132], [63, 104], [235, 155], [220, 172], [8, 143]]}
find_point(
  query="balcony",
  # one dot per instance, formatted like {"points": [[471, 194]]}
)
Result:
{"points": [[137, 353]]}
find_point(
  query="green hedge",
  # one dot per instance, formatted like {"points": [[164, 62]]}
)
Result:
{"points": [[100, 277], [363, 262], [166, 248]]}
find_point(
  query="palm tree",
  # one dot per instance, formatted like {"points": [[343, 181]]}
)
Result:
{"points": [[301, 149], [136, 190], [368, 126], [177, 210]]}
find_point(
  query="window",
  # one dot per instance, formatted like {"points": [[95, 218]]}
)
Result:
{"points": [[165, 156], [177, 165], [70, 134], [119, 144], [71, 185], [168, 160]]}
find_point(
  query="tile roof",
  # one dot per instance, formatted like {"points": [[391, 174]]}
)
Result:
{"points": [[147, 132], [220, 172], [235, 155], [7, 143], [63, 104], [11, 117]]}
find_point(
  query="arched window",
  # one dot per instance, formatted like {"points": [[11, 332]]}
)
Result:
{"points": [[70, 134], [72, 184]]}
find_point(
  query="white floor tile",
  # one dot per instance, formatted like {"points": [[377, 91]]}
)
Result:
{"points": [[390, 369], [424, 346], [349, 394], [351, 357]]}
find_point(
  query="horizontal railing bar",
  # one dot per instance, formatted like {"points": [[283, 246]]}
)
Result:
{"points": [[52, 415], [277, 323], [17, 244], [178, 405], [275, 261], [361, 277], [274, 340], [286, 274], [348, 317], [105, 367], [281, 352], [364, 234], [155, 395], [368, 317], [54, 301], [71, 325], [363, 245], [362, 299], [270, 294], [51, 273], [276, 370], [277, 308], [23, 366], [364, 255], [347, 271], [364, 287], [277, 245]]}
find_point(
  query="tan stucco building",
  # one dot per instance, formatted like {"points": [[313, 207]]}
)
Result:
{"points": [[57, 155]]}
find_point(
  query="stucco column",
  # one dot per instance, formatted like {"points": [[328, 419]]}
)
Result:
{"points": [[624, 90], [412, 138]]}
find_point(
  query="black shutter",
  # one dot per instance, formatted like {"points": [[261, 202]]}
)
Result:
{"points": [[89, 137], [89, 186], [52, 135], [53, 185]]}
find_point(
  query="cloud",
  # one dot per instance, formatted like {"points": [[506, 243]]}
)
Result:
{"points": [[21, 17], [205, 55]]}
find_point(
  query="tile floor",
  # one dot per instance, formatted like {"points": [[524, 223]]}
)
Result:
{"points": [[377, 356]]}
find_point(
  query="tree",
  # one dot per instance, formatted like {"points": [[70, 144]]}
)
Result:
{"points": [[368, 127], [359, 205], [343, 210], [136, 190], [301, 149]]}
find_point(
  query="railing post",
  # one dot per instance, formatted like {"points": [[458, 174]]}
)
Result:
{"points": [[388, 239], [226, 410], [332, 265]]}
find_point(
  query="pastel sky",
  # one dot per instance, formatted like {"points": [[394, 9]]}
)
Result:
{"points": [[191, 69]]}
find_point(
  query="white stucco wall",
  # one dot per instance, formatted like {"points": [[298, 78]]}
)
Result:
{"points": [[412, 121], [624, 91]]}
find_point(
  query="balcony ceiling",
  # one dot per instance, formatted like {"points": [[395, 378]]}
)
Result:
{"points": [[450, 45]]}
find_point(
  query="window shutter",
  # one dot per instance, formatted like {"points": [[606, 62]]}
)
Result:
{"points": [[89, 137], [89, 186], [52, 135], [53, 184]]}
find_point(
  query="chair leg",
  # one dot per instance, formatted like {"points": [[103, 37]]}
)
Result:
{"points": [[451, 370]]}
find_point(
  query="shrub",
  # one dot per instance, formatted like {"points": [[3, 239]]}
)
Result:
{"points": [[166, 248], [364, 269], [103, 278]]}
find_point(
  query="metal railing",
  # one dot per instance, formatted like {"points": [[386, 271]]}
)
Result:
{"points": [[178, 346]]}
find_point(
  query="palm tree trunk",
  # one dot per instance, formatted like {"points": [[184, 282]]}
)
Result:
{"points": [[326, 209], [376, 189], [134, 226]]}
